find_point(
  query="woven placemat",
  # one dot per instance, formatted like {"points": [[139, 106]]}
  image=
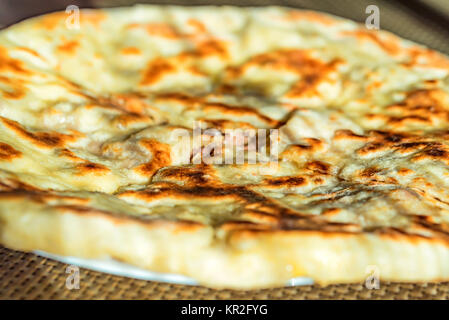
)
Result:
{"points": [[27, 276]]}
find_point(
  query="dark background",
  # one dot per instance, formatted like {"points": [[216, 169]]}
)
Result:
{"points": [[423, 21]]}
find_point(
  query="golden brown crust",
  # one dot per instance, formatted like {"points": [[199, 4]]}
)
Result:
{"points": [[91, 161], [7, 152]]}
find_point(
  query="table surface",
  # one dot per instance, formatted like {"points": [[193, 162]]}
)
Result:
{"points": [[27, 276]]}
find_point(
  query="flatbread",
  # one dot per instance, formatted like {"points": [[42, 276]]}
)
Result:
{"points": [[91, 165]]}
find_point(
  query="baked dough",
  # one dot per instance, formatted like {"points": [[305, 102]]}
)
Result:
{"points": [[90, 165]]}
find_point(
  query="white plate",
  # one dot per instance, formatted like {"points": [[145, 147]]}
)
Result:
{"points": [[126, 270]]}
